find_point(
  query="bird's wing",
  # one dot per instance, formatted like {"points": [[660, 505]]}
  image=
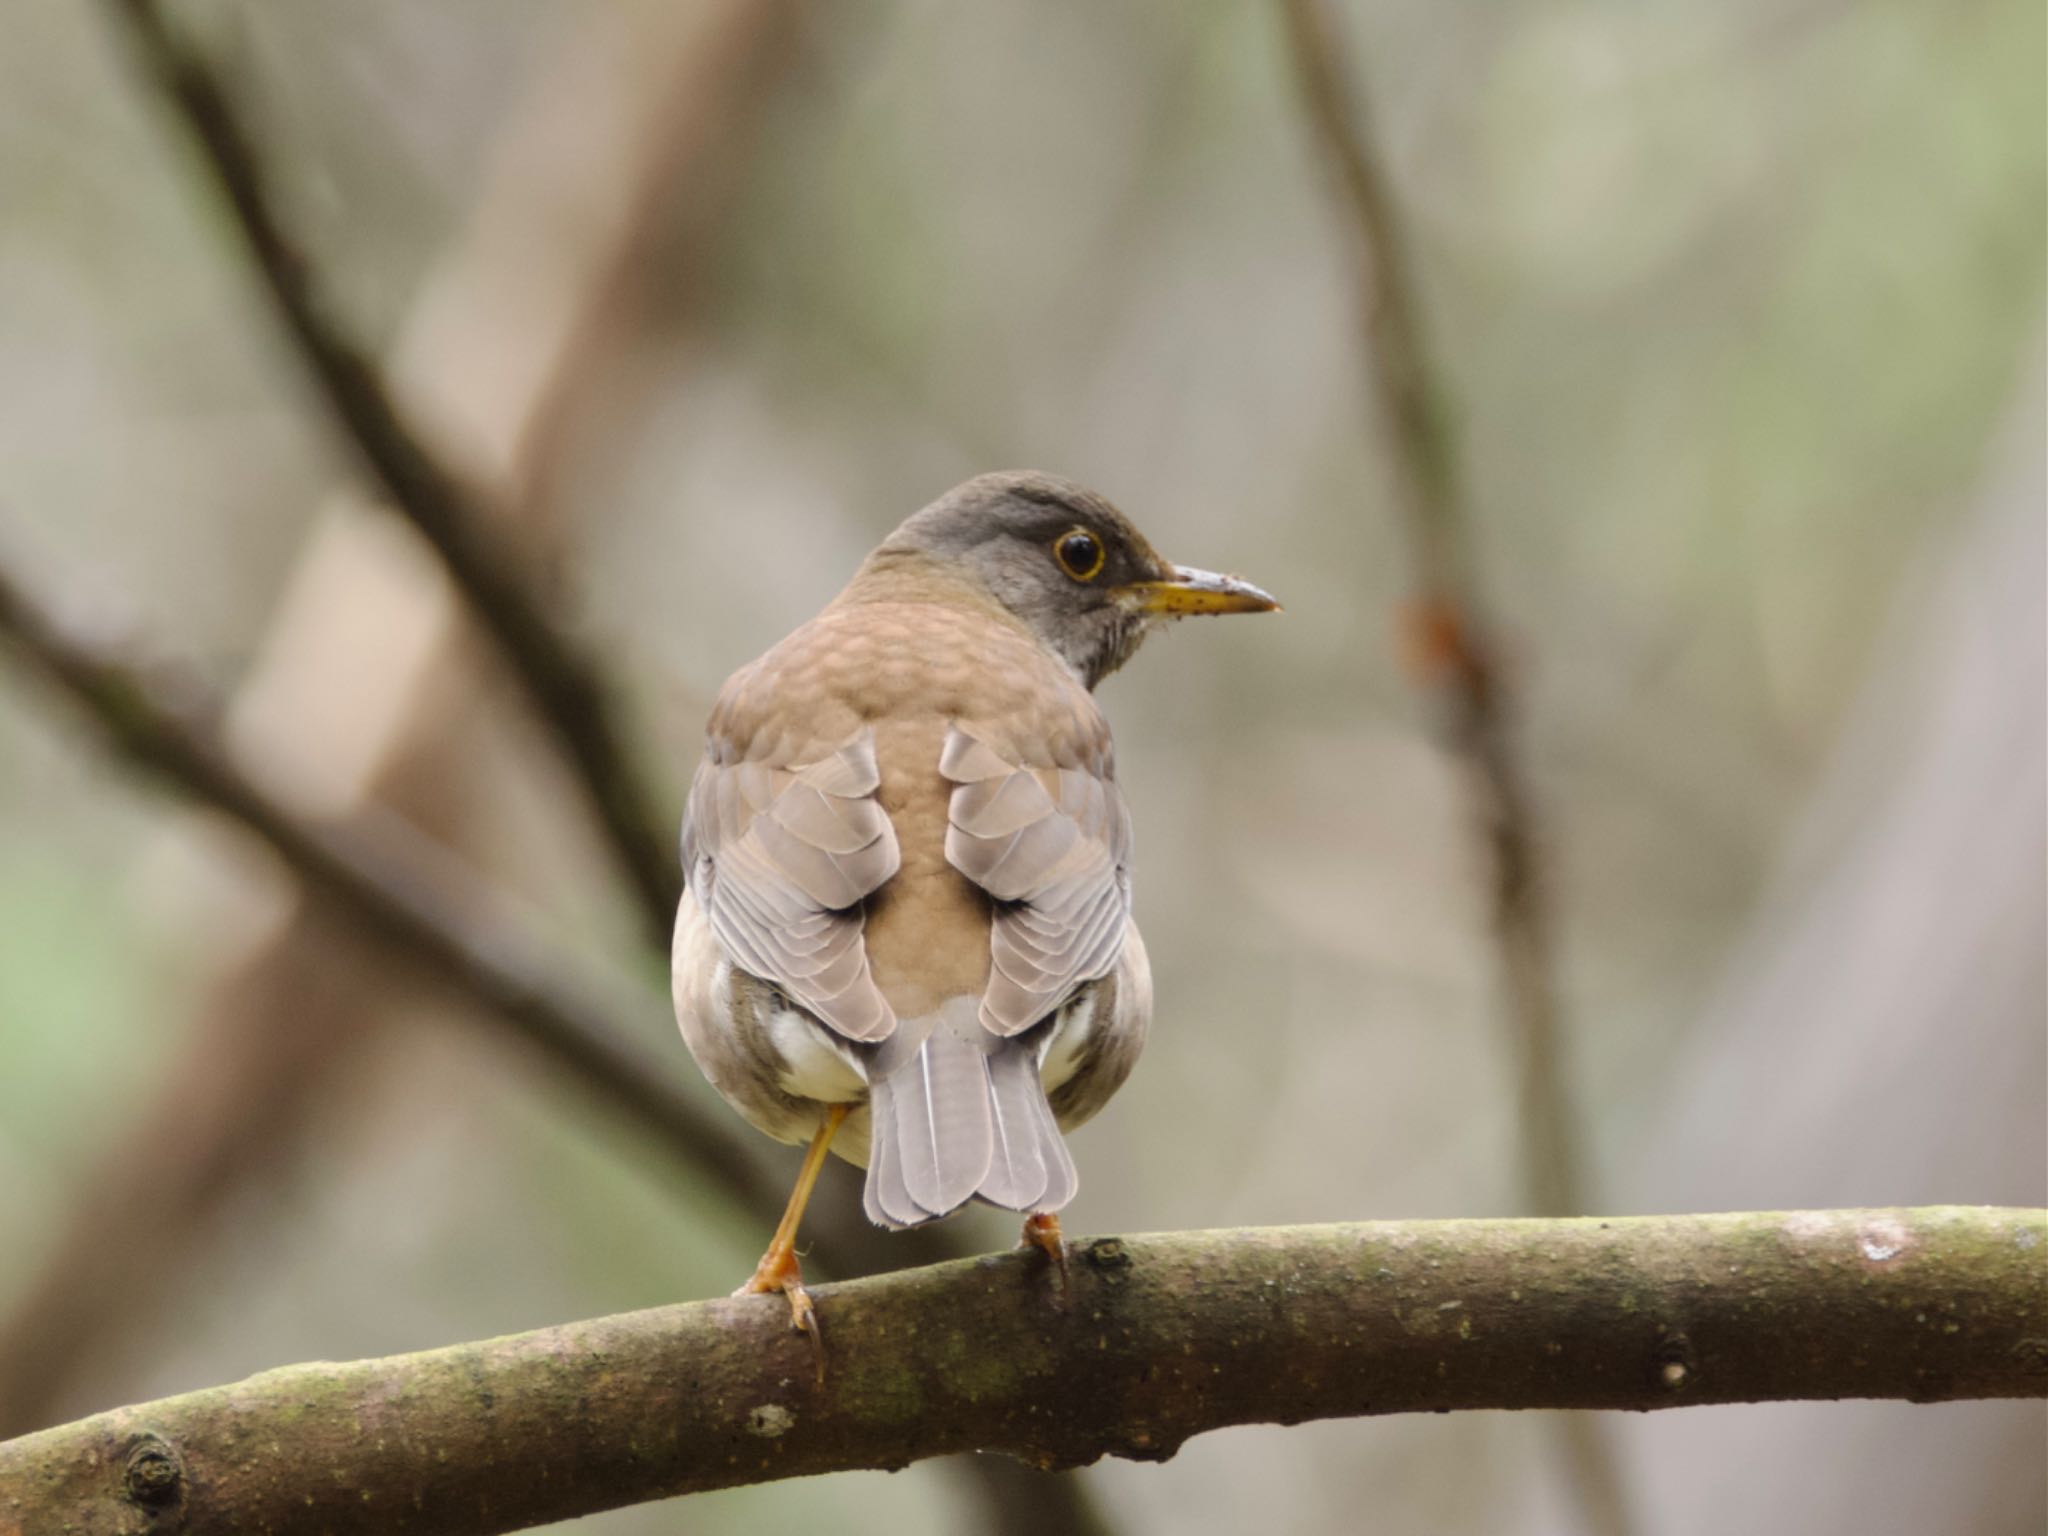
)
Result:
{"points": [[1051, 843], [780, 856]]}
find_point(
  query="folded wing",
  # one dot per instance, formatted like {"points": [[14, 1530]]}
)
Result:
{"points": [[1052, 846], [780, 857]]}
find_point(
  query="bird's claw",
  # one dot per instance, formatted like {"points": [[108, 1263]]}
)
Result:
{"points": [[1042, 1231], [779, 1272]]}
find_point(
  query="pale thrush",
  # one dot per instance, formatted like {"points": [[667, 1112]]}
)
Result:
{"points": [[907, 932]]}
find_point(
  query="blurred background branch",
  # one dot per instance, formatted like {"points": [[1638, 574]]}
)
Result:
{"points": [[421, 906], [1452, 644], [565, 686], [347, 726], [1454, 652]]}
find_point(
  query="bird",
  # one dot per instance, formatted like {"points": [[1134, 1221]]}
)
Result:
{"points": [[905, 934]]}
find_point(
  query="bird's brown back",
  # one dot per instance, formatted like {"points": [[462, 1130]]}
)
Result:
{"points": [[910, 652]]}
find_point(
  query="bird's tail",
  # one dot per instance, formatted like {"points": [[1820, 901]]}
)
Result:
{"points": [[958, 1116]]}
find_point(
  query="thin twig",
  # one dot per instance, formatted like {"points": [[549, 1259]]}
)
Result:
{"points": [[1453, 649], [566, 687], [1162, 1338]]}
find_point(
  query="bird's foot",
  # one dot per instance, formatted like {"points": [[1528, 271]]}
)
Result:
{"points": [[779, 1271], [1042, 1231]]}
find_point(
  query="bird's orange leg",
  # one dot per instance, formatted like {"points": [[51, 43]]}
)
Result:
{"points": [[778, 1269], [1042, 1231]]}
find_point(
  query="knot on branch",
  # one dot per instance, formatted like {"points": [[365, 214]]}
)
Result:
{"points": [[1109, 1257], [154, 1477]]}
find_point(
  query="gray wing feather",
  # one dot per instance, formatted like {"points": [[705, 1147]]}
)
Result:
{"points": [[1052, 845], [780, 859]]}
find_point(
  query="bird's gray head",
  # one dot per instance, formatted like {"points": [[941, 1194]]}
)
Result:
{"points": [[1066, 563]]}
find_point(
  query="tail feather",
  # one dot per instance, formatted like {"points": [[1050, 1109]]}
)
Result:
{"points": [[885, 1197], [957, 1114], [943, 1124], [1062, 1180], [1016, 1170]]}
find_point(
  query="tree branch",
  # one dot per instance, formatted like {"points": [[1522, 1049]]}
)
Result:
{"points": [[1162, 1338], [565, 686]]}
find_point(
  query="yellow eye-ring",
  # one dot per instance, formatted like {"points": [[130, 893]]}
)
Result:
{"points": [[1080, 554]]}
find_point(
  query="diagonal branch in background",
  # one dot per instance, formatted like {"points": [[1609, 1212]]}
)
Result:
{"points": [[1454, 651], [367, 694], [565, 686], [401, 898], [1162, 1338]]}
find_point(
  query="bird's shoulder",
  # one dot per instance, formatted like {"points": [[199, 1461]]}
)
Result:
{"points": [[904, 669]]}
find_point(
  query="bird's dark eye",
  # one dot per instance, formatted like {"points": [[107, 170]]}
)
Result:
{"points": [[1080, 554]]}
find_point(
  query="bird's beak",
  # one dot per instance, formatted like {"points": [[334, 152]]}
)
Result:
{"points": [[1189, 591]]}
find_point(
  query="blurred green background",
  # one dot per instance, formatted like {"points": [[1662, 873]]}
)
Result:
{"points": [[1740, 310]]}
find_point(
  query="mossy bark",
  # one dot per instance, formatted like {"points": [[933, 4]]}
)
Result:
{"points": [[1155, 1339]]}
